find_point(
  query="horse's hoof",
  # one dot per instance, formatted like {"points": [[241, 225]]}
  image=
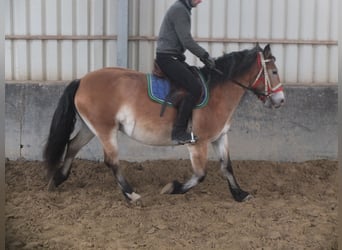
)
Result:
{"points": [[248, 197], [167, 189], [57, 179], [241, 195], [133, 197], [51, 185], [174, 187]]}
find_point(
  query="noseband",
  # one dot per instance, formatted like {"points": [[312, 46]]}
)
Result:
{"points": [[262, 77]]}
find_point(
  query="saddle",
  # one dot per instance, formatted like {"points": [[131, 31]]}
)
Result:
{"points": [[165, 92]]}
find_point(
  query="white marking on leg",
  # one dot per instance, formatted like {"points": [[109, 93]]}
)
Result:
{"points": [[231, 180], [66, 166], [221, 148], [191, 183], [248, 197], [51, 185], [220, 143], [74, 146], [167, 189], [217, 139], [133, 196]]}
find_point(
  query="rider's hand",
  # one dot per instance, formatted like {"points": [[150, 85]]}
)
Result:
{"points": [[208, 61]]}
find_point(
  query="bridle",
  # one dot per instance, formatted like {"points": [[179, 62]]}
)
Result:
{"points": [[262, 77]]}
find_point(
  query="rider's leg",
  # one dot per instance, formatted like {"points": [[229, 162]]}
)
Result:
{"points": [[177, 71], [179, 130]]}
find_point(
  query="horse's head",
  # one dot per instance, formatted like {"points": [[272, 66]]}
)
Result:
{"points": [[267, 85], [254, 70]]}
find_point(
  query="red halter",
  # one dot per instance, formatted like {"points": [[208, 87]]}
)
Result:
{"points": [[263, 77]]}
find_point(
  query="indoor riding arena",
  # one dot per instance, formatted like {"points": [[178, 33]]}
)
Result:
{"points": [[285, 158]]}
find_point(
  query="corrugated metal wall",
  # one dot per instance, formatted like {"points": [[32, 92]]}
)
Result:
{"points": [[64, 39], [56, 39]]}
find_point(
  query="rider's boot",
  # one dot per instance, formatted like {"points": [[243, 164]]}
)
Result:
{"points": [[179, 131]]}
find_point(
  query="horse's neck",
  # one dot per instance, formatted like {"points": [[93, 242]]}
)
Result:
{"points": [[224, 99], [227, 96]]}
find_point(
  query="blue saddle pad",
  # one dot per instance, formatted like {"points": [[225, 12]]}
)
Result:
{"points": [[159, 88]]}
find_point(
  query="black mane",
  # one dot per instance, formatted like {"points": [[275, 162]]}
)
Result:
{"points": [[231, 65]]}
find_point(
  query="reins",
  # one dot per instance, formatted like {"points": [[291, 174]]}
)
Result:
{"points": [[254, 91], [268, 88]]}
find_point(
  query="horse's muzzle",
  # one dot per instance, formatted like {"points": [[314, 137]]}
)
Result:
{"points": [[275, 100]]}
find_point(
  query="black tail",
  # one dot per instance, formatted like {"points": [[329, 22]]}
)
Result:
{"points": [[62, 125]]}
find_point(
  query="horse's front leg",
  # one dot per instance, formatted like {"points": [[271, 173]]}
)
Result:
{"points": [[221, 148], [198, 157]]}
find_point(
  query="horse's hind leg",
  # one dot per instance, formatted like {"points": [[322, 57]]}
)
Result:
{"points": [[73, 147], [198, 157], [221, 148], [109, 143]]}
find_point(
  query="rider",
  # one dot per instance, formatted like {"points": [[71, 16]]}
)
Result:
{"points": [[174, 39]]}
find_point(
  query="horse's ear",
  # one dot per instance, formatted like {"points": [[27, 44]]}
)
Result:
{"points": [[257, 45], [267, 51]]}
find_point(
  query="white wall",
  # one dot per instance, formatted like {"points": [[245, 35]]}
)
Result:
{"points": [[64, 39]]}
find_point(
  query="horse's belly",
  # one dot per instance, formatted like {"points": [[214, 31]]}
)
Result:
{"points": [[145, 130], [152, 138], [145, 135]]}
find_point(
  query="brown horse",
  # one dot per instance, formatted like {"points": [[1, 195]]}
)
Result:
{"points": [[110, 100]]}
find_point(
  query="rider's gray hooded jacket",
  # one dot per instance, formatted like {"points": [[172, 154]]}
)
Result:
{"points": [[175, 31]]}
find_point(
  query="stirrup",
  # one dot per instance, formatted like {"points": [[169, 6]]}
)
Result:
{"points": [[181, 141], [193, 138]]}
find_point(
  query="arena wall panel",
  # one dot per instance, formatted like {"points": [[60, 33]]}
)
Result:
{"points": [[63, 39], [304, 129]]}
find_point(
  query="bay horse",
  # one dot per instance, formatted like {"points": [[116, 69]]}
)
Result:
{"points": [[110, 100]]}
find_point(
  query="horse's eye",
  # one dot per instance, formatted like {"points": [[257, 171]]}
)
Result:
{"points": [[274, 72]]}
